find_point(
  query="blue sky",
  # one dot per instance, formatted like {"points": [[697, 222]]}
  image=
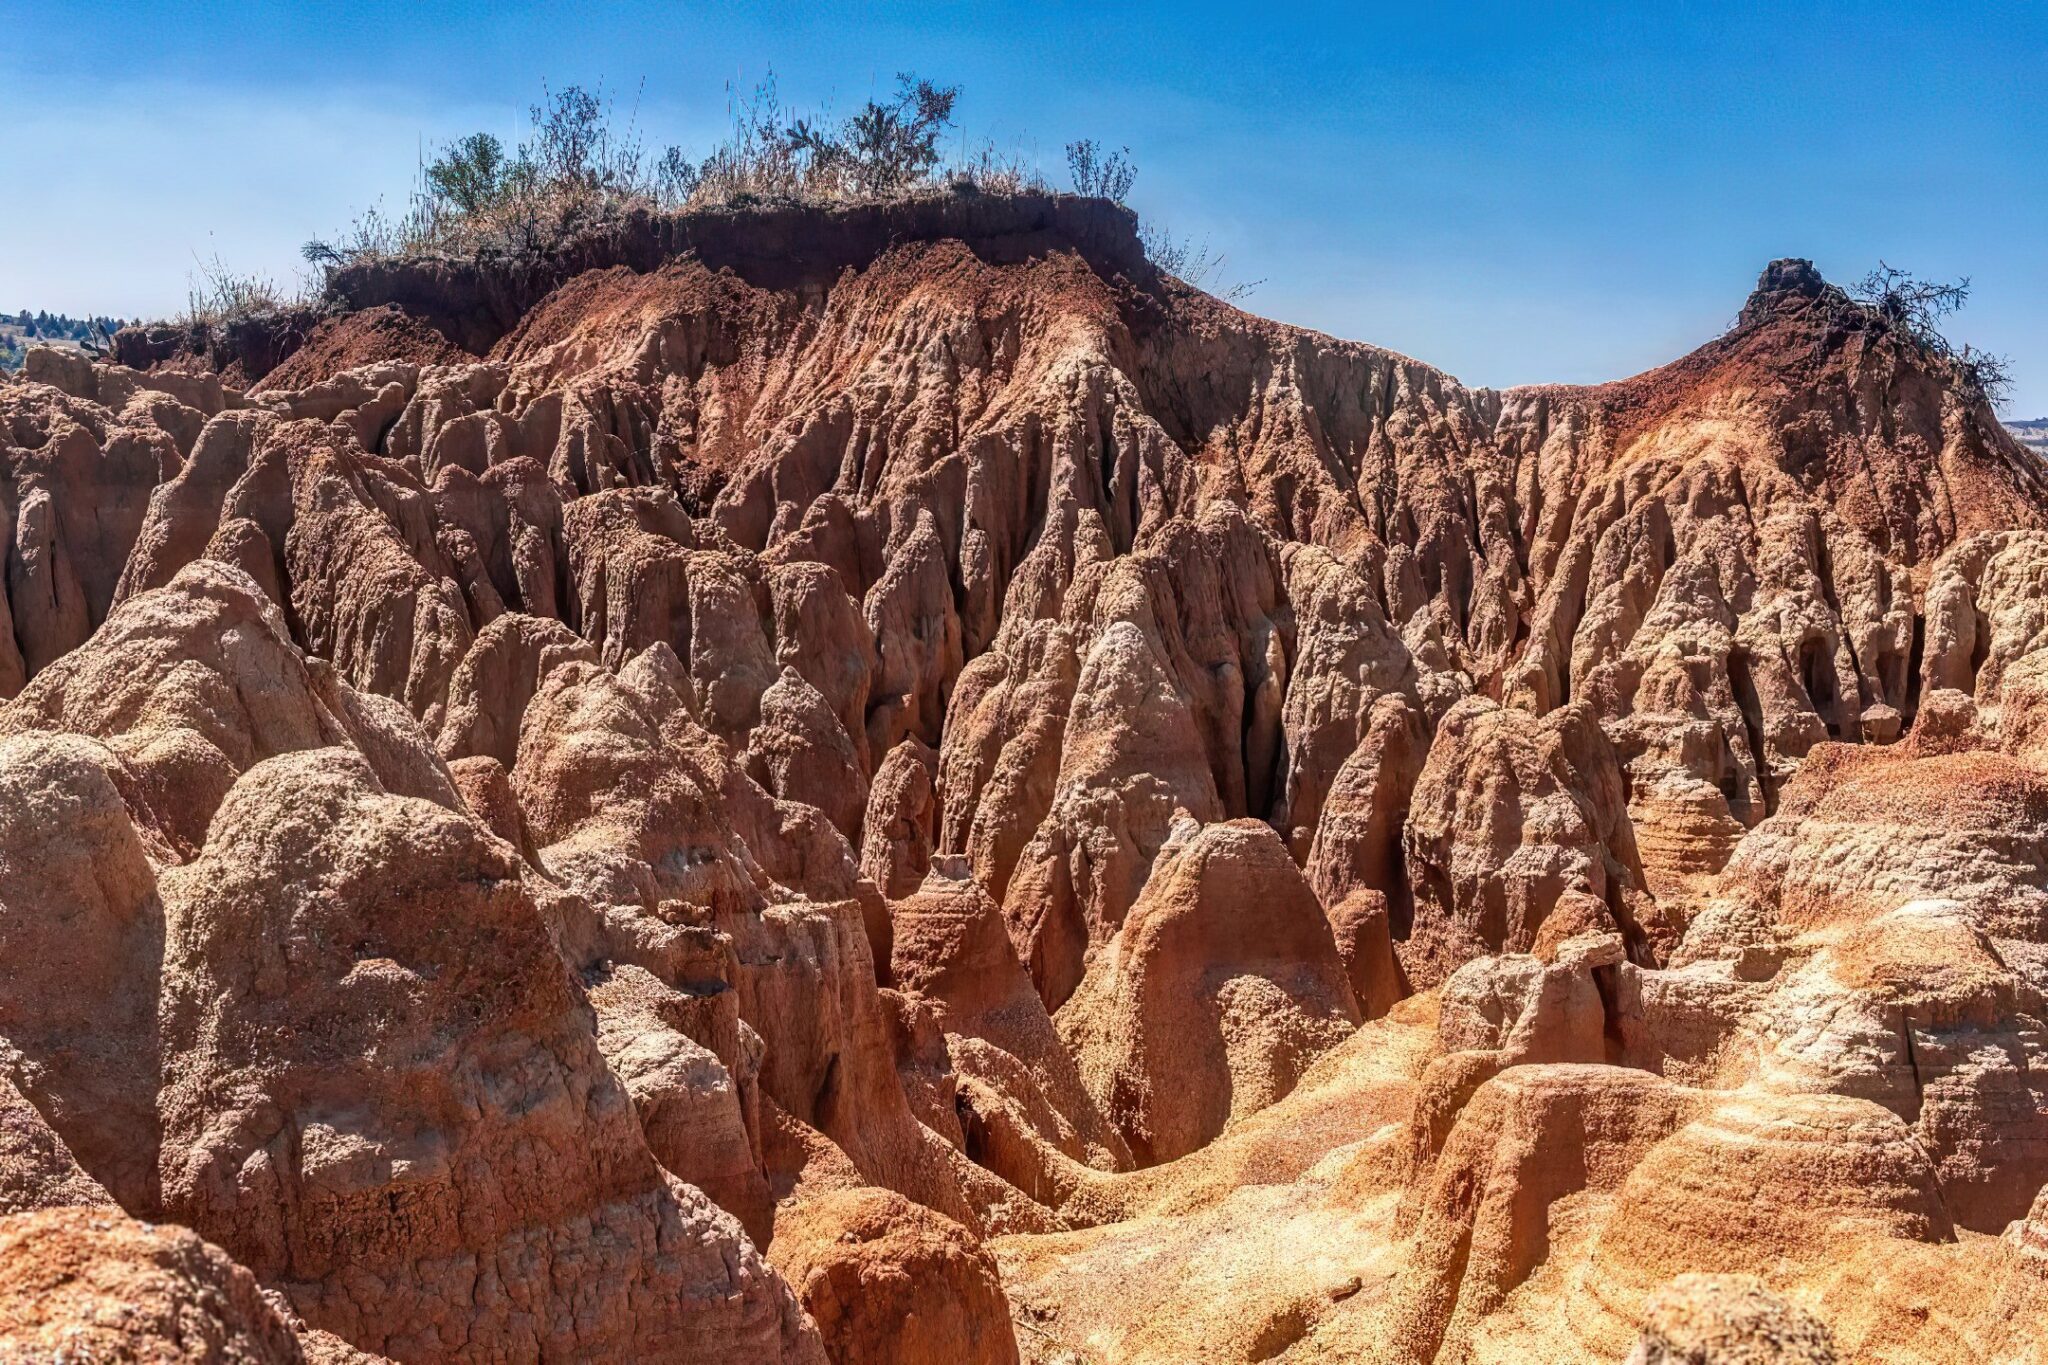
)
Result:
{"points": [[1514, 192]]}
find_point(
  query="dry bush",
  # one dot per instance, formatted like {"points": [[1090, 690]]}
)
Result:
{"points": [[1913, 308], [756, 160], [994, 170], [884, 150], [578, 168], [1110, 175], [1192, 263], [1990, 375], [1100, 173], [216, 295]]}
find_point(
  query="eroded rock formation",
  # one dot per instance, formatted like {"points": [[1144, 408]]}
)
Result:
{"points": [[894, 784]]}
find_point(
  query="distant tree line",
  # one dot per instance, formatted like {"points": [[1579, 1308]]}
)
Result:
{"points": [[19, 331], [48, 326]]}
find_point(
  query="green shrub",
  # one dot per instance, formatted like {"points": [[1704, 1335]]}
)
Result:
{"points": [[470, 175], [884, 149]]}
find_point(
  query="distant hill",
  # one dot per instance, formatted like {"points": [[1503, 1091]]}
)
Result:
{"points": [[19, 331], [2034, 433]]}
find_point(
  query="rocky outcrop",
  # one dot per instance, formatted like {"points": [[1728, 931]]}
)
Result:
{"points": [[440, 1060], [1762, 1177], [192, 685], [1220, 989], [1023, 1108], [1509, 814]]}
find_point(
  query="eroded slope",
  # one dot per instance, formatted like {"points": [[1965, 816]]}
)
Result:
{"points": [[904, 787]]}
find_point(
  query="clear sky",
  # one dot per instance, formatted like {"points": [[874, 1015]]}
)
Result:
{"points": [[1514, 192]]}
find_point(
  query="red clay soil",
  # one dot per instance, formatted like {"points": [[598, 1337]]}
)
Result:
{"points": [[364, 338], [606, 311]]}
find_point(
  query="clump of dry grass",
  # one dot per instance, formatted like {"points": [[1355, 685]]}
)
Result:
{"points": [[216, 296], [582, 166], [1095, 170]]}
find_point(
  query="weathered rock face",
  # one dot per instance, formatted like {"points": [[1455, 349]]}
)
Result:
{"points": [[37, 1171], [891, 1283], [1729, 1320], [1024, 1109], [701, 1121], [906, 741], [1531, 1136], [434, 1138], [1221, 988], [1510, 813], [93, 1284], [896, 837], [84, 933]]}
